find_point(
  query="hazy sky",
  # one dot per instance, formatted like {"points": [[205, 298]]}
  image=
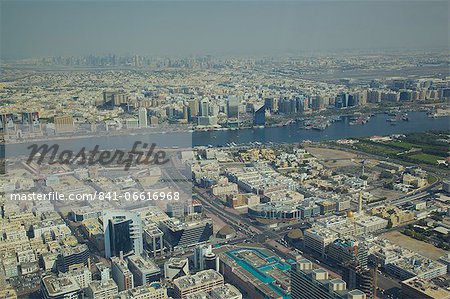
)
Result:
{"points": [[37, 28]]}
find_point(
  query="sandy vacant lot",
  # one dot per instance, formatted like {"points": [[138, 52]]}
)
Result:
{"points": [[326, 156], [420, 247]]}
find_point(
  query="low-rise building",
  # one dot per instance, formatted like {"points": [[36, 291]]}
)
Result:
{"points": [[201, 281], [102, 290], [417, 288]]}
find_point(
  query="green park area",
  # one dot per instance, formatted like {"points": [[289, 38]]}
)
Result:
{"points": [[426, 148]]}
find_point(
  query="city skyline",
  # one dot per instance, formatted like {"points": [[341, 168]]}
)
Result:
{"points": [[224, 149], [42, 29]]}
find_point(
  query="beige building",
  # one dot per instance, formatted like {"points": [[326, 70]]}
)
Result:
{"points": [[393, 214], [202, 281]]}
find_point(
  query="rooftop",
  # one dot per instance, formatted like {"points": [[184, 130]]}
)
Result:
{"points": [[427, 288], [201, 277], [59, 285]]}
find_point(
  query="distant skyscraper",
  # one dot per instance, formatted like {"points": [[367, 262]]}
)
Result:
{"points": [[64, 124], [204, 108], [123, 233], [143, 121], [193, 107], [341, 100], [259, 117], [271, 104], [233, 107]]}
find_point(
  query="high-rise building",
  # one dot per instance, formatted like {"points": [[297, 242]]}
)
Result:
{"points": [[193, 107], [205, 258], [121, 274], [123, 233], [233, 107], [186, 233], [143, 120], [153, 120], [144, 270], [72, 257], [271, 104], [204, 108], [341, 100], [373, 96], [259, 117], [64, 124], [153, 239], [359, 277], [310, 283], [175, 210]]}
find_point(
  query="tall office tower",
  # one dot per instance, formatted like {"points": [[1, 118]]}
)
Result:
{"points": [[205, 258], [175, 209], [358, 277], [201, 281], [143, 120], [259, 117], [214, 109], [105, 272], [144, 270], [351, 101], [64, 124], [361, 97], [204, 108], [373, 96], [108, 97], [310, 283], [316, 103], [233, 107], [153, 238], [123, 233], [186, 112], [121, 274], [179, 234], [193, 106], [288, 106], [341, 100], [153, 120], [119, 98], [72, 257], [271, 104]]}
